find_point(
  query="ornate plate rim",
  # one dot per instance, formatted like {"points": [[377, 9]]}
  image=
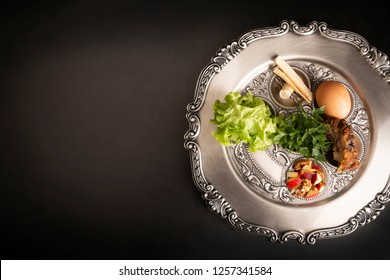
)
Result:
{"points": [[216, 202]]}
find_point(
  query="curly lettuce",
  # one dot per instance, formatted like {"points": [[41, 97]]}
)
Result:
{"points": [[244, 118]]}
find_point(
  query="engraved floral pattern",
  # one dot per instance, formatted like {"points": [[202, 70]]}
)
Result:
{"points": [[256, 177], [216, 202], [379, 61], [318, 74]]}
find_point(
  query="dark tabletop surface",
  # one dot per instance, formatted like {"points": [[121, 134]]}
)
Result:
{"points": [[92, 120]]}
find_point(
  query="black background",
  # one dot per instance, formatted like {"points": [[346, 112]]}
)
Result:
{"points": [[92, 119]]}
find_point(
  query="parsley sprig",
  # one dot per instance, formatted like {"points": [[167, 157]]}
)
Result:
{"points": [[305, 133]]}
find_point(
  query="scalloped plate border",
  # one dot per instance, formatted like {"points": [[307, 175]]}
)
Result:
{"points": [[215, 201]]}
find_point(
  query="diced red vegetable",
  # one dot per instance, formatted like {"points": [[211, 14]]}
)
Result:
{"points": [[315, 166], [307, 175], [306, 180], [320, 186], [293, 182]]}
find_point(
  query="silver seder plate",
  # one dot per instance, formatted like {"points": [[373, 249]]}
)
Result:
{"points": [[247, 188]]}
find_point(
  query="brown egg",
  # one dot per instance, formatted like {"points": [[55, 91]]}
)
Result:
{"points": [[336, 99]]}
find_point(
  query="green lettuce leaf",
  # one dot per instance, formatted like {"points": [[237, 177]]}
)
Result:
{"points": [[244, 118]]}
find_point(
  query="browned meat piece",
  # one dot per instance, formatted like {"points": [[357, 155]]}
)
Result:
{"points": [[344, 149]]}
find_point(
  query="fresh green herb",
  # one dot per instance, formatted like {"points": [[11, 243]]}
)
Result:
{"points": [[244, 118], [305, 133], [247, 119]]}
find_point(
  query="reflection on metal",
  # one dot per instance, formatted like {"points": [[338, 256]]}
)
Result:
{"points": [[251, 179]]}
